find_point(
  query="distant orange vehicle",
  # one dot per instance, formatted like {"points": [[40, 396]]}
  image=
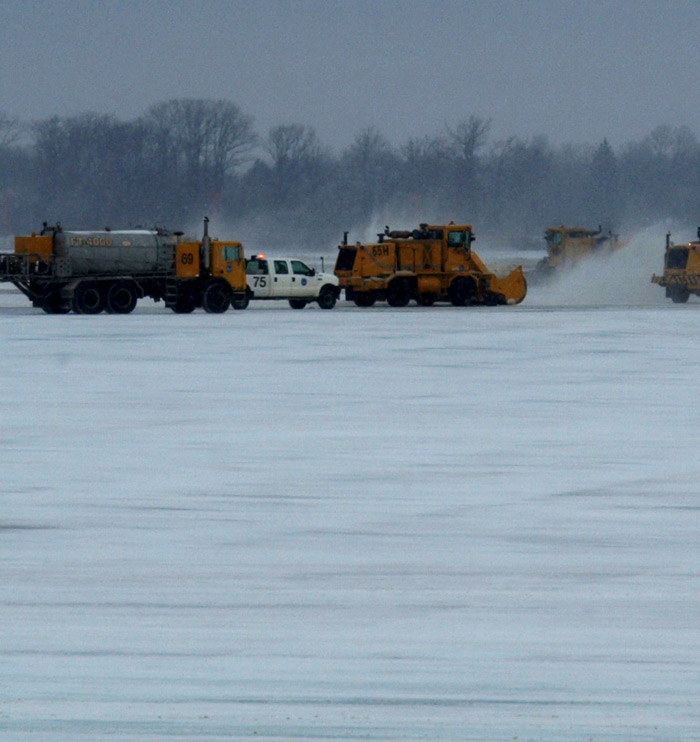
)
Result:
{"points": [[681, 276], [566, 246], [429, 264]]}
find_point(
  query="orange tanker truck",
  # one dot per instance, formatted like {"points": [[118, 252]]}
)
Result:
{"points": [[88, 272]]}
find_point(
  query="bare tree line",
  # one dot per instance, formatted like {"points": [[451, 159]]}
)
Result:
{"points": [[187, 157]]}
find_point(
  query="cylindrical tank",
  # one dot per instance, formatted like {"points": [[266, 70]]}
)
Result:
{"points": [[429, 285], [116, 252]]}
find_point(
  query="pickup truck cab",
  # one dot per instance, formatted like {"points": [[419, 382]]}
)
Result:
{"points": [[290, 279]]}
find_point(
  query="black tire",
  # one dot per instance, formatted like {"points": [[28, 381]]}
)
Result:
{"points": [[397, 294], [88, 298], [121, 297], [680, 296], [461, 292], [52, 303], [365, 299], [241, 302], [327, 297], [493, 300], [217, 297], [297, 303]]}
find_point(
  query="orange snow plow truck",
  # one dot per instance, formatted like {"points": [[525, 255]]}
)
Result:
{"points": [[681, 276], [429, 264]]}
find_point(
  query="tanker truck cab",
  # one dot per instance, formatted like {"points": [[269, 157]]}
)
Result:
{"points": [[291, 280], [228, 262], [209, 273]]}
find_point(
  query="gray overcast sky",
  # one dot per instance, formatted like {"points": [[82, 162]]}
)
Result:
{"points": [[572, 70]]}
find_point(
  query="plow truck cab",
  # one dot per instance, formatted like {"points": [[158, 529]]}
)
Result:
{"points": [[681, 276]]}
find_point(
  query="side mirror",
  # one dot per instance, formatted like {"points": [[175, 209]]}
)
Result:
{"points": [[313, 272]]}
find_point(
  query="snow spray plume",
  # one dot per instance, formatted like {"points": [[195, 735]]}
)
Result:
{"points": [[617, 279]]}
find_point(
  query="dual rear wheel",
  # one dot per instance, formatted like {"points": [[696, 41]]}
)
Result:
{"points": [[88, 298], [92, 297], [121, 297]]}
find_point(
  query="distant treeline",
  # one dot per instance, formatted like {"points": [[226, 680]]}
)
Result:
{"points": [[186, 158]]}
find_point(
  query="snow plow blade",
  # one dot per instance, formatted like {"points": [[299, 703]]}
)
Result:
{"points": [[513, 287]]}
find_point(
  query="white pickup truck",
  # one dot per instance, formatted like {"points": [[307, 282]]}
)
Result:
{"points": [[290, 279]]}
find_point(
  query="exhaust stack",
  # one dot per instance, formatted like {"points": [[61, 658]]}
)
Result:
{"points": [[206, 245]]}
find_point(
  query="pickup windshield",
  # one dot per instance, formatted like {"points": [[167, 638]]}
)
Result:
{"points": [[301, 269], [256, 267]]}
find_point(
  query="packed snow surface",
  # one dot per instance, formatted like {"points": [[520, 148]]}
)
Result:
{"points": [[379, 524]]}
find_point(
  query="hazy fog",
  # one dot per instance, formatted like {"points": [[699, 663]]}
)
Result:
{"points": [[572, 71], [291, 122]]}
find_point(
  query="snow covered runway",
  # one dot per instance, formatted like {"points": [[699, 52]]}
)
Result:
{"points": [[440, 524]]}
